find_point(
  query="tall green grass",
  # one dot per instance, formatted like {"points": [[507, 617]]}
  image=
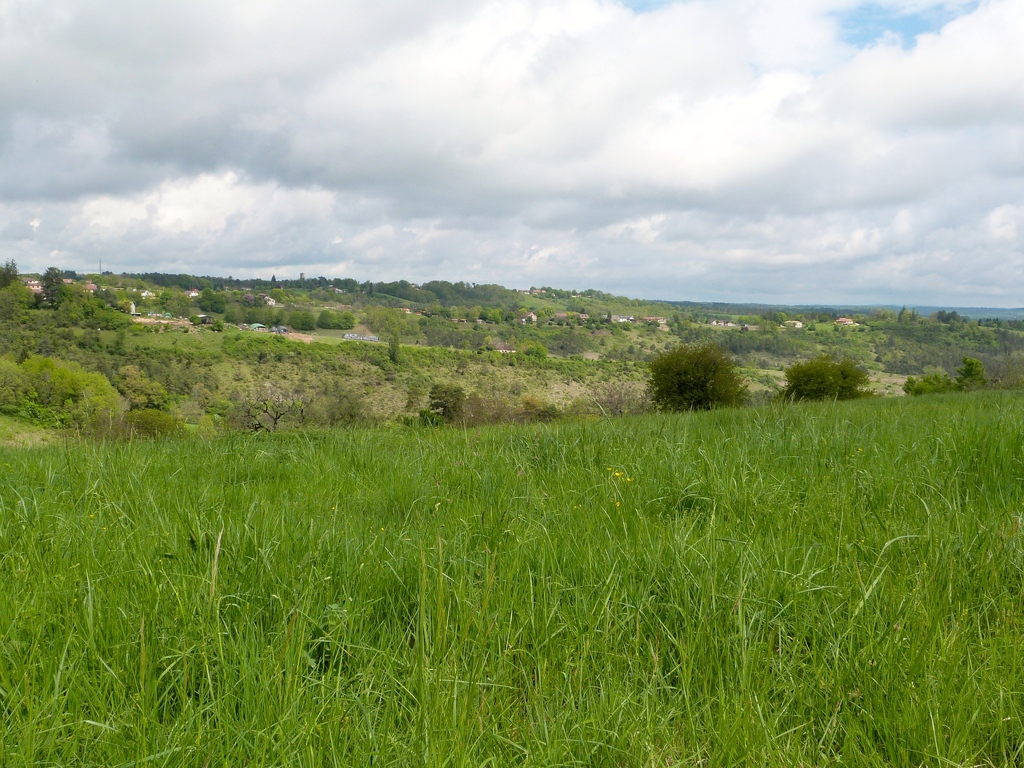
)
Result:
{"points": [[800, 586]]}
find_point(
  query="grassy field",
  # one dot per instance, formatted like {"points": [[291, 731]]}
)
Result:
{"points": [[806, 586], [15, 433]]}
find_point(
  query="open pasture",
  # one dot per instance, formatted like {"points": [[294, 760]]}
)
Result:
{"points": [[786, 586]]}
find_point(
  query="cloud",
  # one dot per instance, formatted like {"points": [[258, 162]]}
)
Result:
{"points": [[731, 149]]}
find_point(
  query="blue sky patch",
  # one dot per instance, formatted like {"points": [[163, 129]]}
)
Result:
{"points": [[865, 24], [641, 6]]}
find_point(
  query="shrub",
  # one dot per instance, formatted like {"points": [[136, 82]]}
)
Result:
{"points": [[8, 273], [301, 320], [926, 385], [446, 401], [695, 378], [537, 350], [211, 301], [478, 410], [533, 409], [621, 399], [142, 392], [63, 393], [825, 378], [149, 422], [970, 375], [336, 321], [14, 388], [337, 404]]}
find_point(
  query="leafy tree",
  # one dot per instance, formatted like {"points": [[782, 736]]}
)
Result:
{"points": [[825, 378], [63, 393], [970, 375], [338, 404], [14, 300], [446, 401], [211, 301], [141, 392], [8, 273], [153, 423], [52, 282], [179, 305], [926, 385], [695, 378], [301, 320], [14, 388], [335, 320], [537, 350]]}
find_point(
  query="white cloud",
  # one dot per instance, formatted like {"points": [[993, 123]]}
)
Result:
{"points": [[708, 149], [1004, 222]]}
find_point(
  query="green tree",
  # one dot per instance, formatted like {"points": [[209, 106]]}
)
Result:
{"points": [[695, 378], [971, 375], [926, 385], [14, 300], [537, 350], [52, 282], [211, 301], [825, 378], [446, 401], [153, 423], [67, 394], [14, 388], [327, 319], [301, 320], [141, 392], [335, 320], [8, 273]]}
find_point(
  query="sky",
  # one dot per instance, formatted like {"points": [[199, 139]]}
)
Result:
{"points": [[777, 151]]}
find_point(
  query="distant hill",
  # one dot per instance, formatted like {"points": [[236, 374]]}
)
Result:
{"points": [[975, 313]]}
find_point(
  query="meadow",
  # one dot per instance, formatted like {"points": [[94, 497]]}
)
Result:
{"points": [[803, 585]]}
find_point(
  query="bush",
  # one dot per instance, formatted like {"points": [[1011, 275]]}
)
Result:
{"points": [[825, 378], [63, 393], [211, 301], [301, 320], [537, 350], [14, 388], [141, 392], [969, 377], [337, 404], [695, 378], [152, 423], [926, 385], [532, 409], [446, 401], [622, 399], [478, 410], [336, 321]]}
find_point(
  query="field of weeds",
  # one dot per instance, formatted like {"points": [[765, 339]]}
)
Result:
{"points": [[776, 587]]}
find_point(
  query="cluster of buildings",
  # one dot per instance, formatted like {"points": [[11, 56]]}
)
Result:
{"points": [[36, 286]]}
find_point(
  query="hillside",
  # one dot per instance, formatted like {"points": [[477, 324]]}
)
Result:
{"points": [[200, 349]]}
